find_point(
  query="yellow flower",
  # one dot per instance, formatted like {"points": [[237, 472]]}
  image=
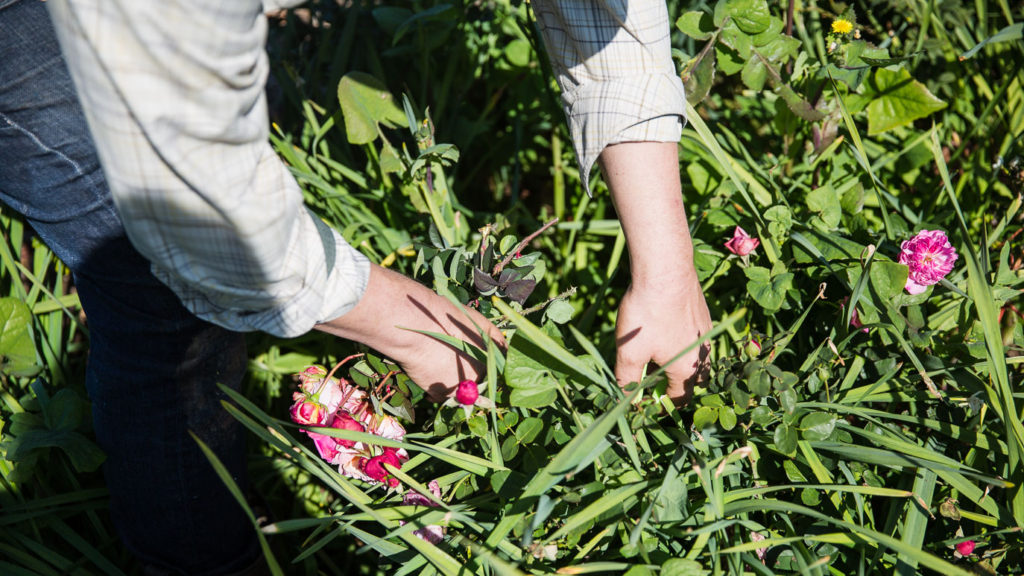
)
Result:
{"points": [[842, 26]]}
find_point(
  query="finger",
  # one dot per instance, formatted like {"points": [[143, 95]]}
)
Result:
{"points": [[629, 368]]}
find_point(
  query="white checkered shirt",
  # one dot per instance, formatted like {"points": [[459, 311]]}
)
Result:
{"points": [[174, 94]]}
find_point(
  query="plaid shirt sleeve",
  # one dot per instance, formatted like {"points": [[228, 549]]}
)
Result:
{"points": [[175, 101], [613, 62]]}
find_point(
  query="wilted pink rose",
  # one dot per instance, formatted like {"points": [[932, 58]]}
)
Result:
{"points": [[432, 533], [344, 421], [930, 256], [374, 467], [467, 393], [309, 413], [386, 426], [762, 553], [965, 548], [741, 244]]}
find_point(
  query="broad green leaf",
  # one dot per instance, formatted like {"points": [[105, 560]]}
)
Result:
{"points": [[696, 24], [754, 74], [366, 103], [704, 417], [888, 278], [727, 417], [785, 438], [519, 53], [824, 204], [817, 425], [780, 220], [897, 100], [17, 350], [533, 384], [559, 312], [767, 290], [750, 16]]}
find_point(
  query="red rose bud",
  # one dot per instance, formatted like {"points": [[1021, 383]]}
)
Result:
{"points": [[374, 468], [965, 548], [467, 393], [741, 243]]}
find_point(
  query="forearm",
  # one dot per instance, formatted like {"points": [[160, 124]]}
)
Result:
{"points": [[643, 178]]}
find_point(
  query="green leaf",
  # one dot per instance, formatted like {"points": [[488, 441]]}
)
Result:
{"points": [[727, 417], [1008, 34], [754, 74], [366, 103], [750, 16], [818, 425], [825, 205], [897, 100], [785, 438], [780, 220], [17, 349], [888, 278], [559, 312], [767, 290], [683, 567], [519, 53], [698, 76], [696, 24], [704, 417], [534, 385]]}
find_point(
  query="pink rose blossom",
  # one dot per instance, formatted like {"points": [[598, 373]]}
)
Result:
{"points": [[741, 244], [374, 467], [309, 413], [467, 393], [433, 534], [930, 257], [328, 446], [965, 548], [386, 426]]}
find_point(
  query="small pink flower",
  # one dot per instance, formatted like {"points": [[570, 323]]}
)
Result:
{"points": [[467, 393], [309, 413], [741, 243], [930, 257], [855, 317], [433, 534], [762, 553], [965, 548]]}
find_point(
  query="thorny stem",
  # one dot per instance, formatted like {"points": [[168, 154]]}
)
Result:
{"points": [[503, 320], [512, 253]]}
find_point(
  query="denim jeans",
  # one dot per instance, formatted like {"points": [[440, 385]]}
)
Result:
{"points": [[153, 367]]}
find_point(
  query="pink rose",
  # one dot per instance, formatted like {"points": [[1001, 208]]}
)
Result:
{"points": [[374, 467], [965, 548], [855, 317], [467, 393], [388, 427], [930, 257], [344, 421], [308, 413], [741, 244]]}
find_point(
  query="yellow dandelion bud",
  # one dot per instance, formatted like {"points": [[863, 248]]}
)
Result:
{"points": [[842, 26]]}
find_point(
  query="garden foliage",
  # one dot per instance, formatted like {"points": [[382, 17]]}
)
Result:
{"points": [[864, 410]]}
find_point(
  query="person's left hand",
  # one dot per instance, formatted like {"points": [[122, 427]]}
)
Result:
{"points": [[655, 325]]}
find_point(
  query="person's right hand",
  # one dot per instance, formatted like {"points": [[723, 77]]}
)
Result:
{"points": [[392, 307]]}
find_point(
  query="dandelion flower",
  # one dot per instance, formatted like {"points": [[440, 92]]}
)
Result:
{"points": [[842, 26]]}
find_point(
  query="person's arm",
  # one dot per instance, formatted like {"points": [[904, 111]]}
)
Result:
{"points": [[663, 310], [174, 96], [392, 307], [624, 101]]}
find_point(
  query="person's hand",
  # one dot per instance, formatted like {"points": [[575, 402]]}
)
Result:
{"points": [[664, 310], [656, 324], [386, 318]]}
